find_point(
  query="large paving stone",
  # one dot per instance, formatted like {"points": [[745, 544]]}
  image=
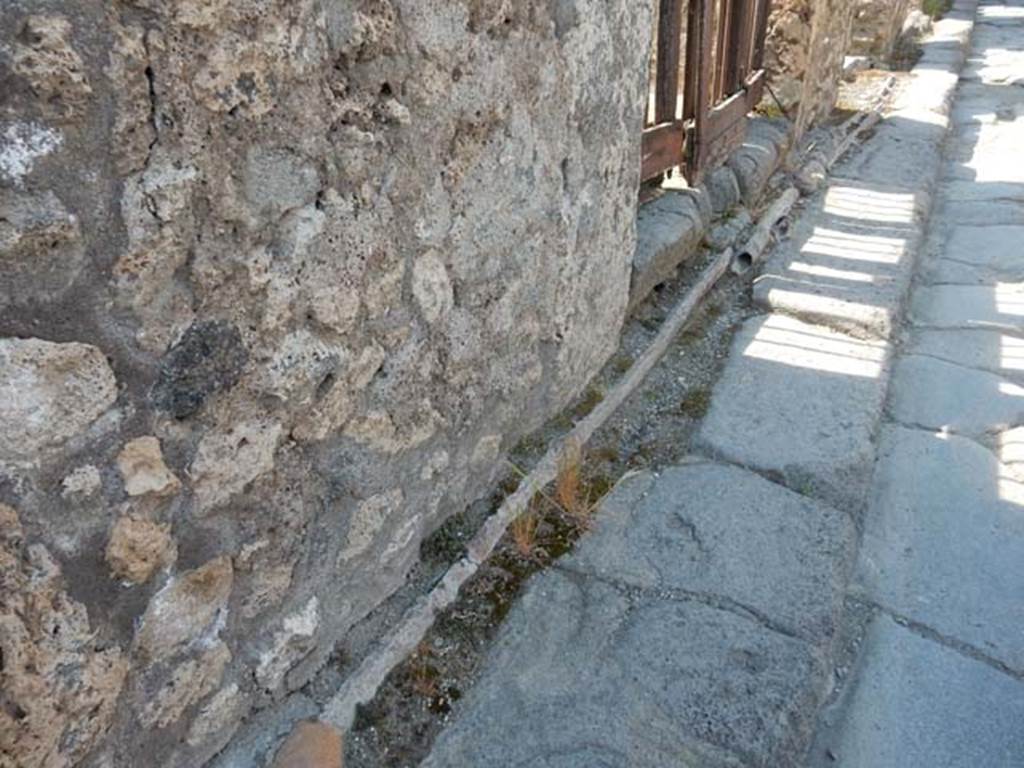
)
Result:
{"points": [[982, 255], [919, 704], [936, 394], [986, 350], [995, 247], [802, 401], [944, 540], [999, 306], [727, 535], [586, 675], [942, 270], [991, 210]]}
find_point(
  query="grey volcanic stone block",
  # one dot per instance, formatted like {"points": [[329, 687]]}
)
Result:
{"points": [[980, 254], [729, 535], [936, 394], [978, 348], [801, 401], [669, 230], [918, 703], [723, 189], [969, 306], [944, 540], [753, 163], [586, 675]]}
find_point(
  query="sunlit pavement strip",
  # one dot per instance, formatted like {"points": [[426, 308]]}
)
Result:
{"points": [[940, 679], [696, 624]]}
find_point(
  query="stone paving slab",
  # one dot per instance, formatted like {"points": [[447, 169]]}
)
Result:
{"points": [[944, 541], [986, 350], [800, 401], [956, 272], [728, 535], [922, 705], [970, 306], [610, 662], [985, 211], [935, 394], [979, 255]]}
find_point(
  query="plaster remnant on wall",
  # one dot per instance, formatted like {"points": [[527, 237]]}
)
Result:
{"points": [[138, 547], [293, 641], [21, 145], [143, 470], [49, 392], [185, 610], [228, 460]]}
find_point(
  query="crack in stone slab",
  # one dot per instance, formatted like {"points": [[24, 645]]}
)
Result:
{"points": [[947, 641], [676, 594]]}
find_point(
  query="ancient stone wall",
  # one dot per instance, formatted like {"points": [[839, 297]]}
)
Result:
{"points": [[280, 281], [877, 25], [807, 41]]}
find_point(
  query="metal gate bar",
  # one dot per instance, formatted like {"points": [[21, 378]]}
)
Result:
{"points": [[723, 80]]}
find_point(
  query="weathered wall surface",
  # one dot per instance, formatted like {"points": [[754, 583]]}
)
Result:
{"points": [[807, 40], [877, 25], [281, 279]]}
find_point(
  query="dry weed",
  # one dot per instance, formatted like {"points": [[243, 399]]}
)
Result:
{"points": [[524, 532]]}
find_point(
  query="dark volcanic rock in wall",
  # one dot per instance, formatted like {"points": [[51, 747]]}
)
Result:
{"points": [[209, 358]]}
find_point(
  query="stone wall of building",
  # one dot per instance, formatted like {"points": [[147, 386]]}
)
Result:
{"points": [[877, 25], [807, 41], [280, 281]]}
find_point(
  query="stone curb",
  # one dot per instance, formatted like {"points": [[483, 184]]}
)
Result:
{"points": [[671, 228]]}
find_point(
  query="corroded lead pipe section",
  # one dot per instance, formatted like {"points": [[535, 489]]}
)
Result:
{"points": [[751, 251]]}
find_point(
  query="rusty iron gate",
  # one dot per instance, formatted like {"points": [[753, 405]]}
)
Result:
{"points": [[696, 113]]}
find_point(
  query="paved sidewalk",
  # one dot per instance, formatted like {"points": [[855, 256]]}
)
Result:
{"points": [[941, 676], [697, 625]]}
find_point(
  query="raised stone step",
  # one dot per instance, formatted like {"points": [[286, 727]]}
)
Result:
{"points": [[848, 260]]}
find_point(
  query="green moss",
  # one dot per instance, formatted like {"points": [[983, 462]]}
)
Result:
{"points": [[590, 400], [936, 8], [695, 403], [622, 363]]}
